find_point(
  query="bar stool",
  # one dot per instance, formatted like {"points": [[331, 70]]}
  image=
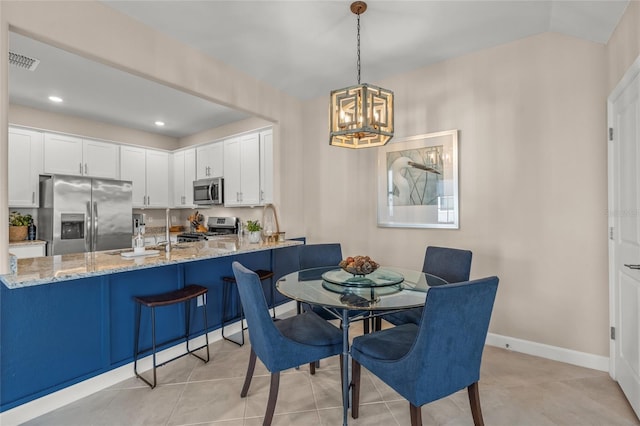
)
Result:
{"points": [[186, 295], [228, 281]]}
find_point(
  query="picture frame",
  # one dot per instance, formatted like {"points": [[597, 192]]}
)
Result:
{"points": [[418, 182]]}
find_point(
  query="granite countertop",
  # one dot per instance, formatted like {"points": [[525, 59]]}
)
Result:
{"points": [[49, 269]]}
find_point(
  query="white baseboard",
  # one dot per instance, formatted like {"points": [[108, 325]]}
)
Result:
{"points": [[55, 400], [569, 356]]}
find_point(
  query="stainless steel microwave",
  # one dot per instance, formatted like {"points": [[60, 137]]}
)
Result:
{"points": [[208, 191]]}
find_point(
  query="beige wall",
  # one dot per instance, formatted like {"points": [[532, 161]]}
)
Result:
{"points": [[533, 202], [46, 120], [221, 132], [624, 45]]}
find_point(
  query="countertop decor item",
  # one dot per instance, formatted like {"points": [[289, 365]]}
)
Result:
{"points": [[18, 226], [254, 228], [269, 216], [361, 116]]}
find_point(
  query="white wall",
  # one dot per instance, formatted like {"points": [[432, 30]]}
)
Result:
{"points": [[531, 120]]}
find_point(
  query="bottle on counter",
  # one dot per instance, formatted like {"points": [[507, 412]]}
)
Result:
{"points": [[31, 231]]}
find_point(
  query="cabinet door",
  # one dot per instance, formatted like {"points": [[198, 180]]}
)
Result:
{"points": [[250, 169], [157, 179], [100, 159], [27, 251], [210, 161], [190, 175], [177, 174], [266, 167], [133, 168], [62, 154], [25, 164], [232, 186]]}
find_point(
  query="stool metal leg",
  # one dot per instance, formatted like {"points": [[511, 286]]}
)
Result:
{"points": [[225, 294], [153, 339]]}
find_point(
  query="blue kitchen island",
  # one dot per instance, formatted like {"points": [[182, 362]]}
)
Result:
{"points": [[66, 319]]}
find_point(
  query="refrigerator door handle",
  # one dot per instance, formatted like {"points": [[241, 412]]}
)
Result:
{"points": [[95, 226], [88, 237]]}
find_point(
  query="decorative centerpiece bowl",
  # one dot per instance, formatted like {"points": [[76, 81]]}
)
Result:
{"points": [[359, 265]]}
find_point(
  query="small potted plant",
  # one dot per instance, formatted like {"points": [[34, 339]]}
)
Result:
{"points": [[254, 228], [18, 224]]}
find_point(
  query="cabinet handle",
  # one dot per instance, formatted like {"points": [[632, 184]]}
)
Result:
{"points": [[261, 195], [148, 200], [632, 266], [85, 169], [80, 164], [33, 197]]}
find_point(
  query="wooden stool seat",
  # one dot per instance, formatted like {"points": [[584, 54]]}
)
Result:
{"points": [[263, 274], [183, 295]]}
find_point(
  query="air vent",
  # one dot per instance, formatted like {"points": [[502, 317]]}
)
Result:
{"points": [[22, 61]]}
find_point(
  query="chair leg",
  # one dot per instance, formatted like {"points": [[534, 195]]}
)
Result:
{"points": [[474, 401], [416, 415], [312, 368], [273, 397], [250, 368], [355, 388], [377, 324]]}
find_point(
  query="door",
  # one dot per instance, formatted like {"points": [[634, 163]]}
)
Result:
{"points": [[624, 244], [266, 167], [25, 155], [157, 179], [111, 214], [133, 168], [62, 154], [100, 159]]}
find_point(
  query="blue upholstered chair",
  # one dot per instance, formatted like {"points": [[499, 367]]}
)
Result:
{"points": [[452, 265], [315, 256], [281, 344], [318, 255], [437, 358]]}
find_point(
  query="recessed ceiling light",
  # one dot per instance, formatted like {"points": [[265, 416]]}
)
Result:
{"points": [[55, 99], [159, 123]]}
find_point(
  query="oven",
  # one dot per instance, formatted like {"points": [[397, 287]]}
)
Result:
{"points": [[208, 191], [216, 227]]}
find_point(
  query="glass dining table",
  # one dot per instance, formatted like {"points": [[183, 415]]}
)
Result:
{"points": [[383, 291]]}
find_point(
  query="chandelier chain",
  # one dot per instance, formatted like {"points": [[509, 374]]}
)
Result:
{"points": [[358, 48]]}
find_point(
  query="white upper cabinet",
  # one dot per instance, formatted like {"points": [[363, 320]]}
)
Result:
{"points": [[100, 159], [183, 173], [157, 174], [148, 170], [242, 170], [70, 155], [210, 160], [25, 166], [62, 154], [266, 166]]}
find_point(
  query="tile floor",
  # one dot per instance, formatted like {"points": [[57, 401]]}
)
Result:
{"points": [[515, 389]]}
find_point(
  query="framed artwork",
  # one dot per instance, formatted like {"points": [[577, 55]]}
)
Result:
{"points": [[418, 182]]}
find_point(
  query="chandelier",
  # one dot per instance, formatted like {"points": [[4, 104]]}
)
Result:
{"points": [[361, 116]]}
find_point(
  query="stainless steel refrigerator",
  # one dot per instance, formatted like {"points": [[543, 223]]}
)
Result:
{"points": [[79, 214]]}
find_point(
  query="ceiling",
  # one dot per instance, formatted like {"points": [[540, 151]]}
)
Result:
{"points": [[304, 48]]}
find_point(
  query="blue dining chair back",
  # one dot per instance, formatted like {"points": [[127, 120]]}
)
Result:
{"points": [[452, 265], [317, 255], [437, 358], [281, 344]]}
